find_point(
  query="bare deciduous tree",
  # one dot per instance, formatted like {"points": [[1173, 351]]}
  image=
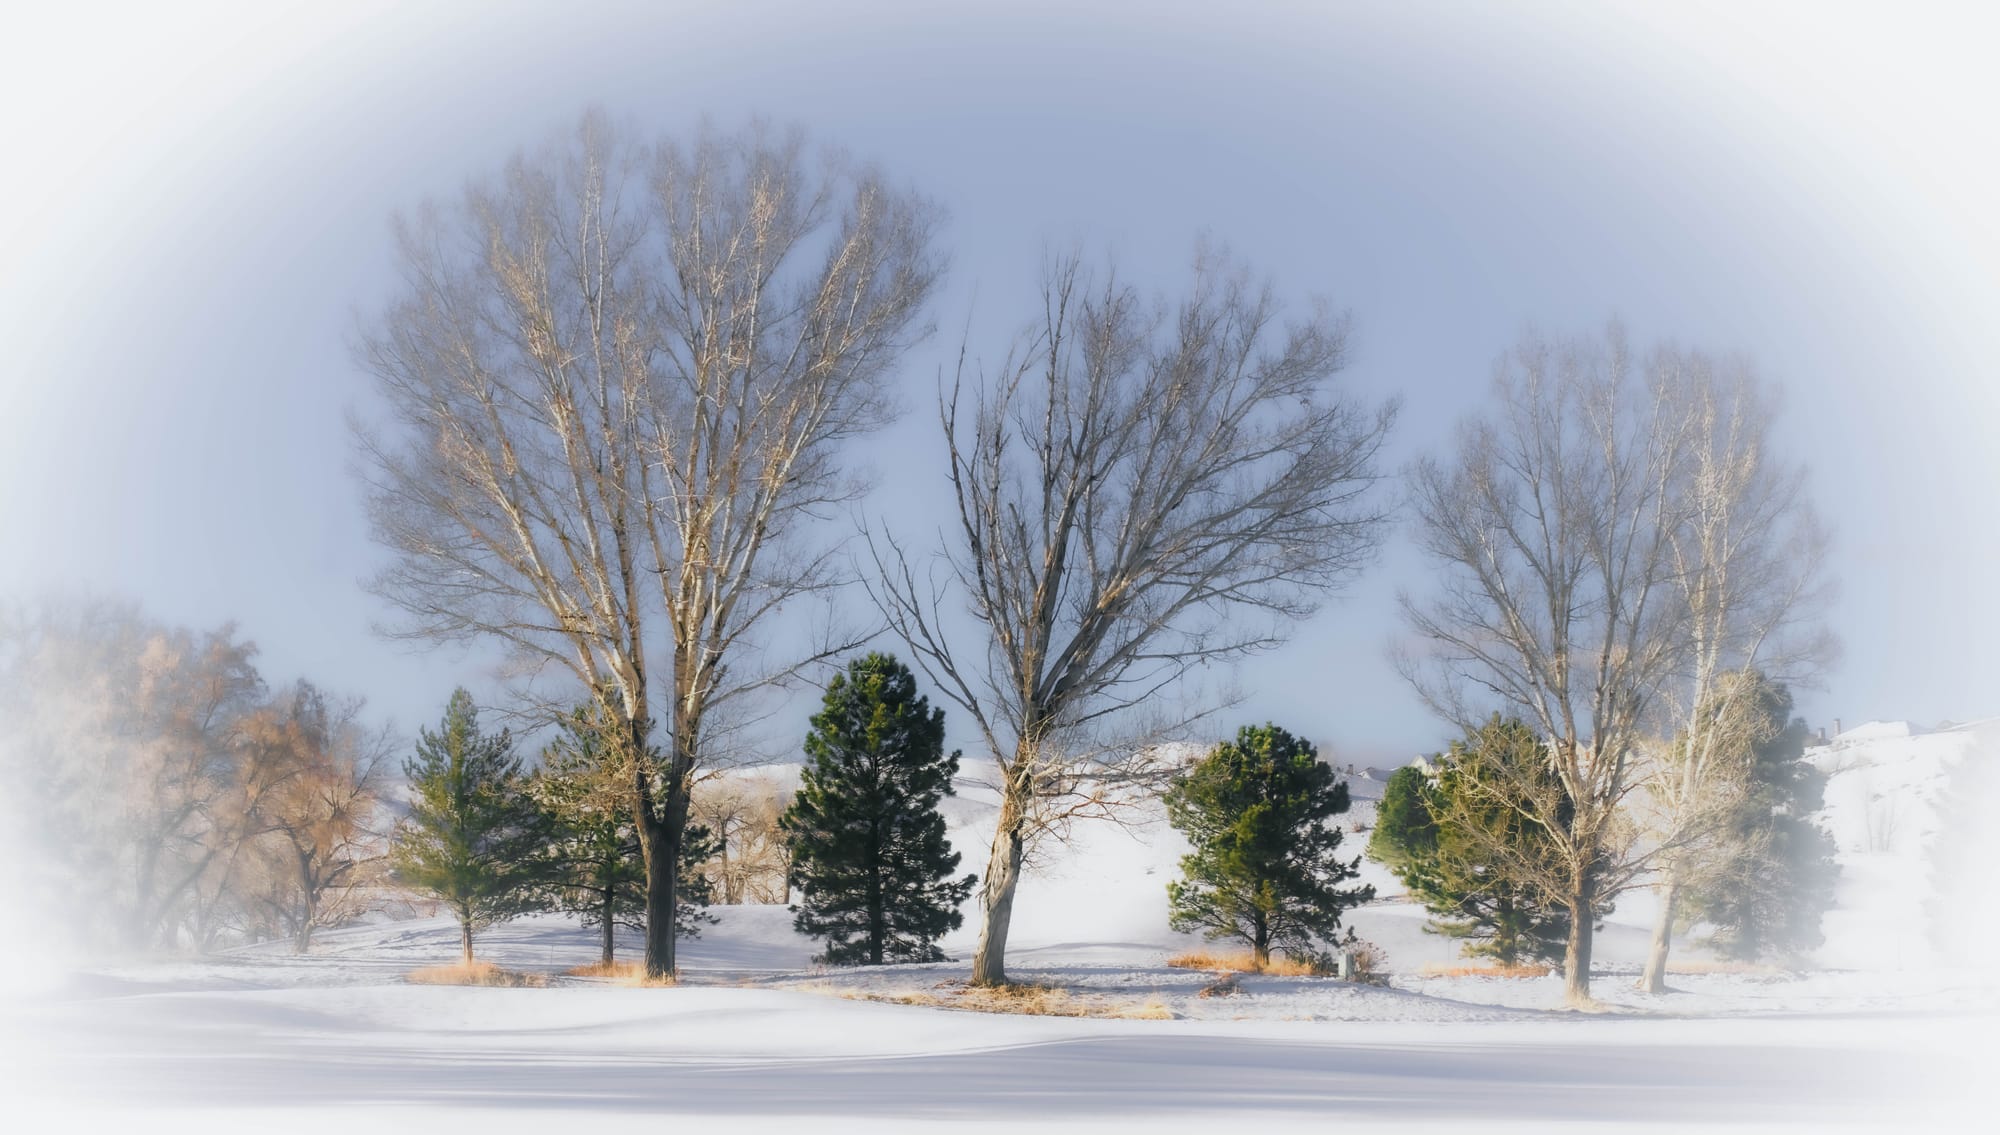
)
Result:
{"points": [[753, 864], [620, 379], [1749, 556], [319, 842], [1133, 486], [1613, 537], [160, 781]]}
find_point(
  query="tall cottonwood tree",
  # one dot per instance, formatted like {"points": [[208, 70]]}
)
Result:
{"points": [[1749, 555], [1141, 490], [1566, 525], [619, 378]]}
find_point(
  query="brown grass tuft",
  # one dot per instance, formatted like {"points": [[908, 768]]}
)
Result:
{"points": [[606, 969], [1281, 965], [476, 973], [1494, 970], [1153, 1008], [623, 973]]}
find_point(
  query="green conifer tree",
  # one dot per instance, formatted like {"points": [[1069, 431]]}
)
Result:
{"points": [[1436, 830], [596, 868], [1777, 881], [473, 838], [870, 857], [1265, 867]]}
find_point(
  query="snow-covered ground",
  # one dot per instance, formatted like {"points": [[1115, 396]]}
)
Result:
{"points": [[758, 1038]]}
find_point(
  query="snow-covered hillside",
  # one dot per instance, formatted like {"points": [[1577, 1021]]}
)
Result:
{"points": [[1887, 784]]}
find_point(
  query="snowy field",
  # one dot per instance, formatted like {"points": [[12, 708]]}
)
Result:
{"points": [[757, 1038]]}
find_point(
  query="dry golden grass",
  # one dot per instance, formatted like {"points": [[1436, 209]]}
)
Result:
{"points": [[1153, 1008], [475, 973], [1493, 970], [624, 973], [1281, 965]]}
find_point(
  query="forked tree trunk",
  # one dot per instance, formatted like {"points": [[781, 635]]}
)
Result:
{"points": [[996, 894], [1655, 978]]}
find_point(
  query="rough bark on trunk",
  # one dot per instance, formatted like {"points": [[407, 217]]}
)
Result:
{"points": [[1260, 947], [465, 936], [1655, 978], [996, 894]]}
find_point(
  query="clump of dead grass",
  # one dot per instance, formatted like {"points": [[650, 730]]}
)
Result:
{"points": [[1280, 965], [607, 969], [623, 973], [476, 973]]}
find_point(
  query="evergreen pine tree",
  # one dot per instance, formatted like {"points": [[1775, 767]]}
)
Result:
{"points": [[596, 869], [1265, 867], [1448, 868], [473, 838], [1769, 894], [870, 857]]}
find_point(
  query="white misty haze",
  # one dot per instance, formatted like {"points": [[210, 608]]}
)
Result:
{"points": [[197, 199]]}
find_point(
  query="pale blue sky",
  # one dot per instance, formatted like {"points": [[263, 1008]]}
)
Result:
{"points": [[196, 206]]}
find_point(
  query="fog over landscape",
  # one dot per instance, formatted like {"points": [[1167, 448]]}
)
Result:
{"points": [[1418, 564]]}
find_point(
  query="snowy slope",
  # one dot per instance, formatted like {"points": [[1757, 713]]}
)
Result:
{"points": [[1885, 784]]}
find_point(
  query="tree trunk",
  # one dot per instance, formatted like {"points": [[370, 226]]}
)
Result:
{"points": [[876, 916], [1260, 945], [1576, 957], [662, 825], [608, 926], [309, 900], [996, 895], [465, 936], [663, 853], [1655, 978]]}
